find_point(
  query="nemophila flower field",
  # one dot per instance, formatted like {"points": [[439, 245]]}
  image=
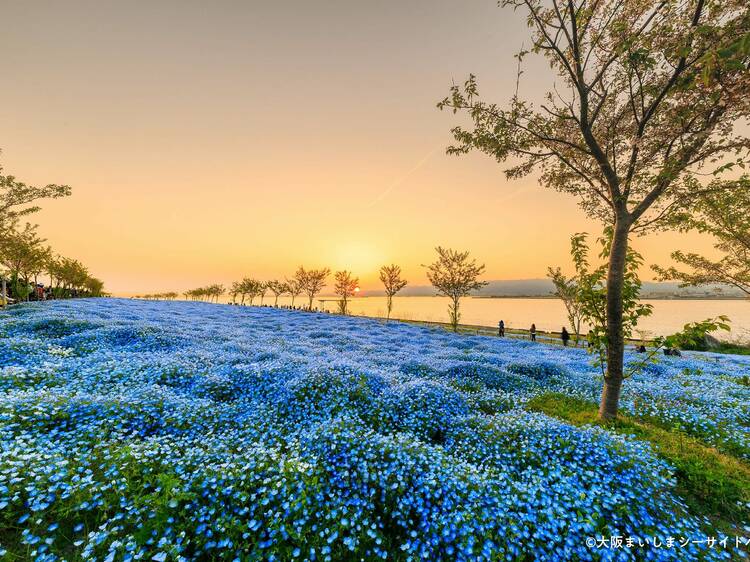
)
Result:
{"points": [[180, 431]]}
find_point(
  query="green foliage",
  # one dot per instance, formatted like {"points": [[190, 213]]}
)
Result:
{"points": [[454, 275], [720, 210], [730, 57], [20, 289], [733, 349], [713, 483], [22, 252], [71, 276], [24, 255], [567, 290], [693, 334], [16, 198], [591, 291]]}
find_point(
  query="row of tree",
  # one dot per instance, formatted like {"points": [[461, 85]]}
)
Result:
{"points": [[159, 296], [453, 274], [25, 256], [310, 282], [209, 293]]}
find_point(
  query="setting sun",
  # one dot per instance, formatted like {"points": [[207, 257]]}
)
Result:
{"points": [[362, 258]]}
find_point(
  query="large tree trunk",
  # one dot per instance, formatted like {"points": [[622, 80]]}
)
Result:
{"points": [[615, 340]]}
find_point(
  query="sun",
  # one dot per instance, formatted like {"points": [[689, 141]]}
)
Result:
{"points": [[361, 258]]}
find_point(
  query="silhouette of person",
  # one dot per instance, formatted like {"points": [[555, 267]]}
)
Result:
{"points": [[565, 336], [532, 332], [501, 329]]}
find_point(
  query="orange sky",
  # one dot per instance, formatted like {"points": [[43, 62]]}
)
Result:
{"points": [[207, 141]]}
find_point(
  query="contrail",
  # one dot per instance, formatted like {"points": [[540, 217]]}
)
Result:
{"points": [[403, 178]]}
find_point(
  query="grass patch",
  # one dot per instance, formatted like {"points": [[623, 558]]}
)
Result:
{"points": [[732, 348], [713, 483]]}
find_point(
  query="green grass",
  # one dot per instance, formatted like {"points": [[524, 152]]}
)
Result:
{"points": [[733, 349], [714, 484]]}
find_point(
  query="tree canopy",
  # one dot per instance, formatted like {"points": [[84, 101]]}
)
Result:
{"points": [[390, 277], [16, 198], [455, 275], [630, 122], [725, 215], [311, 281], [345, 286]]}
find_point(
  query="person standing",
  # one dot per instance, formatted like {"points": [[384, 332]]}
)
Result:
{"points": [[532, 332], [565, 336], [501, 329]]}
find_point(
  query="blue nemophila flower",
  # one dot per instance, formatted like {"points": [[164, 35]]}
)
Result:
{"points": [[184, 431]]}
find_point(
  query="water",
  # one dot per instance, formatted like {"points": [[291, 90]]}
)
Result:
{"points": [[668, 317]]}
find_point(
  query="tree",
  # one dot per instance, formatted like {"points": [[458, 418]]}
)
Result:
{"points": [[567, 290], [210, 293], [40, 258], [235, 290], [345, 286], [68, 277], [454, 276], [278, 288], [311, 281], [697, 335], [390, 276], [95, 287], [16, 198], [635, 112], [294, 288], [245, 287], [251, 288], [591, 293], [23, 254], [170, 296], [215, 291], [725, 215]]}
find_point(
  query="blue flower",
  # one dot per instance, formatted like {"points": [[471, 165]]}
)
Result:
{"points": [[280, 433]]}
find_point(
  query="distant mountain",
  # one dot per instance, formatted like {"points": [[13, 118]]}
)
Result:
{"points": [[505, 288], [518, 288], [545, 288], [673, 289]]}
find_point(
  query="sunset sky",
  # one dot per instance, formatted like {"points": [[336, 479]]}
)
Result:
{"points": [[205, 141]]}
